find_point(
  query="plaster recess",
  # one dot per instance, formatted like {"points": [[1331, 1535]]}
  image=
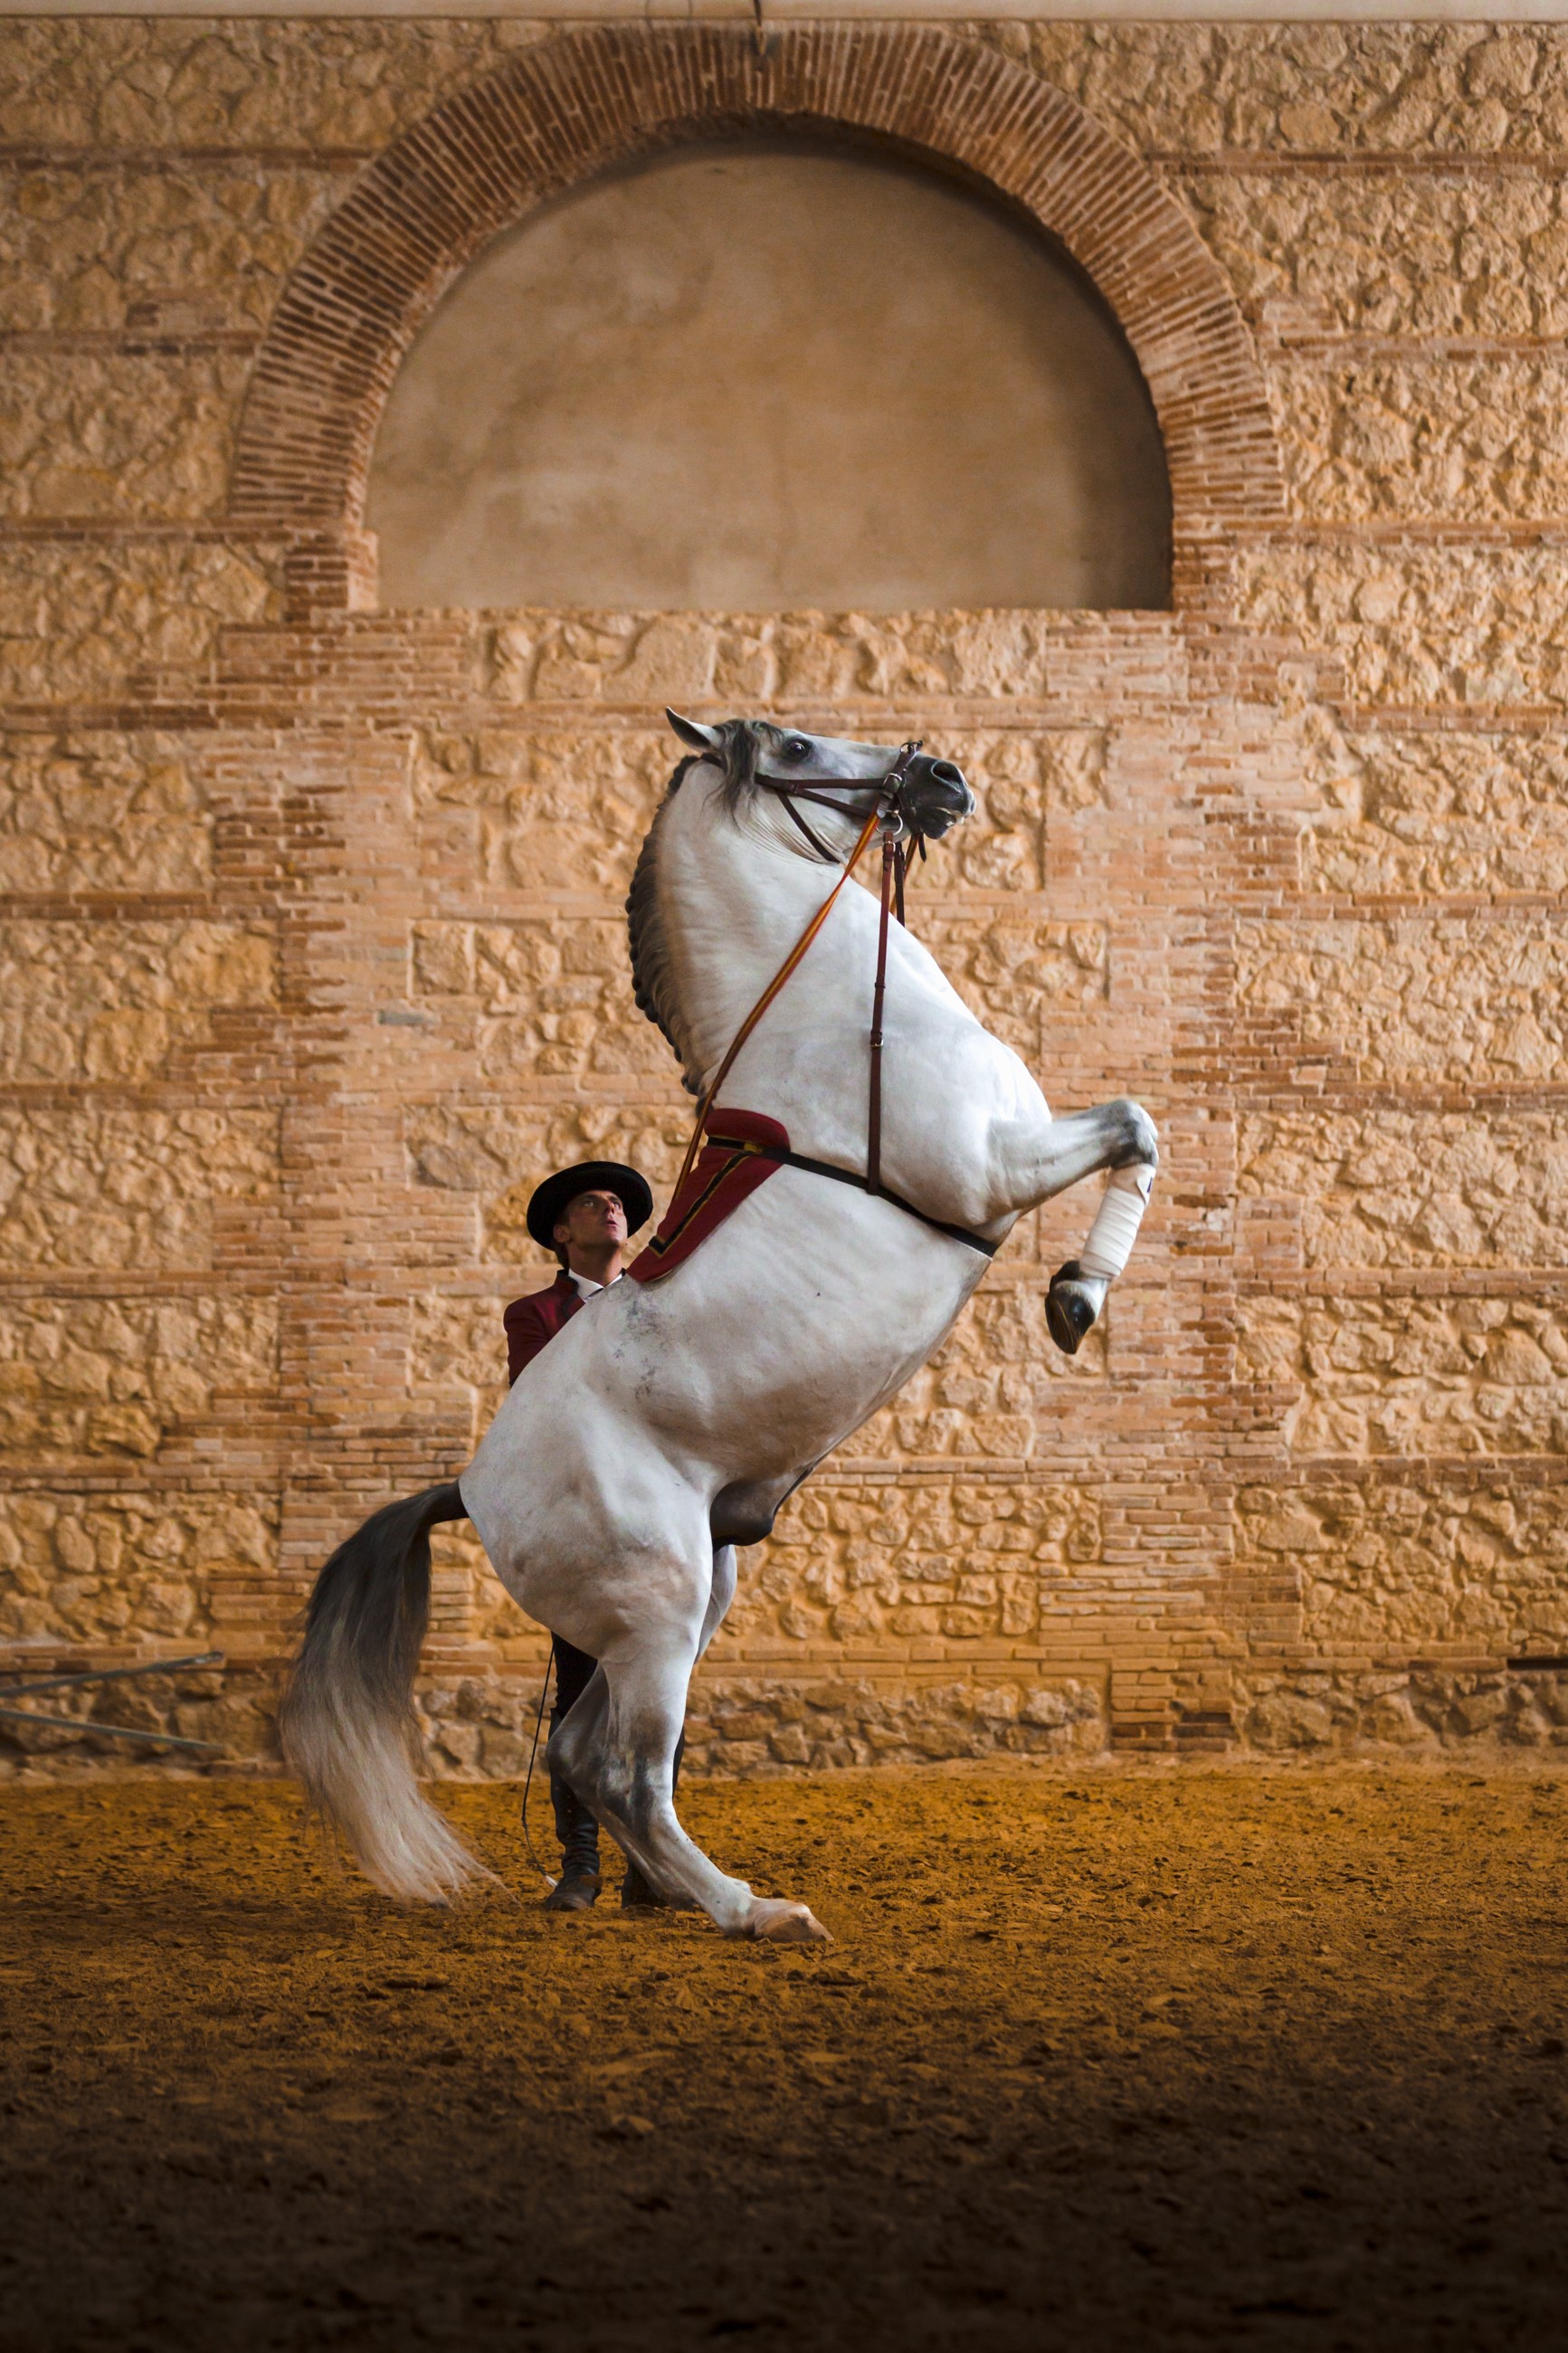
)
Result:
{"points": [[576, 105]]}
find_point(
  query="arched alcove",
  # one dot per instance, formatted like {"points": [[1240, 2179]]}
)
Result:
{"points": [[762, 376], [567, 110]]}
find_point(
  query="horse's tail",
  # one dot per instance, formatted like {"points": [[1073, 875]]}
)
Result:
{"points": [[346, 1724]]}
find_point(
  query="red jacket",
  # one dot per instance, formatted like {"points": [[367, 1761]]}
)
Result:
{"points": [[532, 1323]]}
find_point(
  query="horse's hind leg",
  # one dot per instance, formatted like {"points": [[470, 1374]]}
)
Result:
{"points": [[636, 1895], [617, 1750]]}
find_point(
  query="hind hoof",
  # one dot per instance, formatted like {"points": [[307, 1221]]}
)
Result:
{"points": [[1071, 1308], [789, 1923]]}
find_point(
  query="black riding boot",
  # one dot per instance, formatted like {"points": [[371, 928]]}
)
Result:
{"points": [[578, 1886], [578, 1889], [636, 1896]]}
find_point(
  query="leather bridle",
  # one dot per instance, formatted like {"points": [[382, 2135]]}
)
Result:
{"points": [[888, 793], [889, 790]]}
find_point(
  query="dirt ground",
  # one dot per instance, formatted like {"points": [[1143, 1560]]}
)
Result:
{"points": [[1113, 2060]]}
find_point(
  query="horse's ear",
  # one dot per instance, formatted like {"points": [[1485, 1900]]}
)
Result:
{"points": [[693, 734]]}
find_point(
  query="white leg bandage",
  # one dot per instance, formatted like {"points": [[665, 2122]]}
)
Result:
{"points": [[1115, 1228]]}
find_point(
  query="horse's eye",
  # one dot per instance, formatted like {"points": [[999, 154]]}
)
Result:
{"points": [[797, 749]]}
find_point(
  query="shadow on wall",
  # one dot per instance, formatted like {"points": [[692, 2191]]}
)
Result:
{"points": [[761, 376]]}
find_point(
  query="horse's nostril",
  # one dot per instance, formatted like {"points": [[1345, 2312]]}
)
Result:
{"points": [[944, 773]]}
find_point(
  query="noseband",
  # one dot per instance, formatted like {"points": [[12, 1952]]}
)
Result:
{"points": [[890, 790], [890, 793]]}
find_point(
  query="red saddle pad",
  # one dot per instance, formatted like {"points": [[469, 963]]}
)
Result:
{"points": [[736, 1158]]}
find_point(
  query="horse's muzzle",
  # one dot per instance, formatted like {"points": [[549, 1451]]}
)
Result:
{"points": [[935, 797]]}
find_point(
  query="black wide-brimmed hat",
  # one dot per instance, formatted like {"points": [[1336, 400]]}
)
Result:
{"points": [[557, 1193]]}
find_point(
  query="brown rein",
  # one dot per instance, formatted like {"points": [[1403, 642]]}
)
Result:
{"points": [[894, 864], [789, 964]]}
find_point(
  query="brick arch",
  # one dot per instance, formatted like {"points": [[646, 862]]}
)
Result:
{"points": [[576, 104]]}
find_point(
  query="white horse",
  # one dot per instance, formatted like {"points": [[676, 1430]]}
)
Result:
{"points": [[671, 1418]]}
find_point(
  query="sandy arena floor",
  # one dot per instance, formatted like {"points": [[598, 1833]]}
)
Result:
{"points": [[1112, 2061]]}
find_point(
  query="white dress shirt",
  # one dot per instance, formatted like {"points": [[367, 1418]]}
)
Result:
{"points": [[587, 1288]]}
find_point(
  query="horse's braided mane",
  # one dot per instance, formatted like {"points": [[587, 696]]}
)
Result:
{"points": [[653, 976]]}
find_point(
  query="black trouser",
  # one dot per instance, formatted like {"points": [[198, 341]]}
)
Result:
{"points": [[574, 1824], [574, 1673]]}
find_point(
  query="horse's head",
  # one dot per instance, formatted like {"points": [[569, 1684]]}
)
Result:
{"points": [[768, 771], [811, 794]]}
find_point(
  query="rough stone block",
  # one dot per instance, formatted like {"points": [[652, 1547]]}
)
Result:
{"points": [[103, 1188], [234, 82], [981, 1392], [102, 812], [1416, 1710], [1392, 1187], [1390, 1567], [637, 659], [1473, 998], [1451, 812], [555, 809], [859, 1724], [540, 1001], [144, 435], [563, 810], [1019, 976], [1390, 253], [1420, 624], [1469, 89], [77, 619], [175, 246], [964, 1560], [1022, 781], [93, 1568], [497, 1156], [1412, 1376], [459, 1344], [123, 1001], [99, 1377], [1480, 440]]}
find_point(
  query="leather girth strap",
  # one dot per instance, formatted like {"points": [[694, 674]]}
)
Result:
{"points": [[848, 1177]]}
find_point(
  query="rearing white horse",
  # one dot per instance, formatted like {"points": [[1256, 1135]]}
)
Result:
{"points": [[669, 1419]]}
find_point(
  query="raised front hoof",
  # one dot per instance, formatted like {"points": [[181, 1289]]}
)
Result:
{"points": [[1071, 1307], [788, 1924]]}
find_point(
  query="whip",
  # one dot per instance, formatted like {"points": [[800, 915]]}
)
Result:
{"points": [[527, 1784]]}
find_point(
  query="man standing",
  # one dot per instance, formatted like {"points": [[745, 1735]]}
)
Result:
{"points": [[585, 1215]]}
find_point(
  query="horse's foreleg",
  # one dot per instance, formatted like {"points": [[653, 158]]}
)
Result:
{"points": [[617, 1749], [1120, 1136]]}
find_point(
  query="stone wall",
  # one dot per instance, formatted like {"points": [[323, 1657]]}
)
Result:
{"points": [[313, 955]]}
